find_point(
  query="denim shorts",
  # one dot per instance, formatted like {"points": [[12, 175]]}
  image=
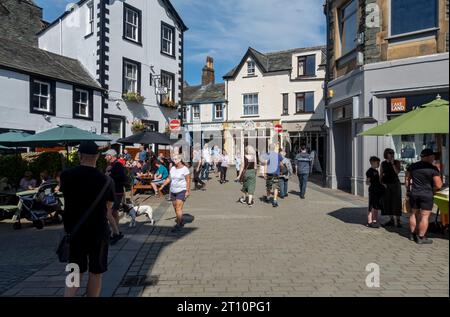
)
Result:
{"points": [[178, 196]]}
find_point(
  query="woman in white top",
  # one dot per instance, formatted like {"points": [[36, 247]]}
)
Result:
{"points": [[180, 188]]}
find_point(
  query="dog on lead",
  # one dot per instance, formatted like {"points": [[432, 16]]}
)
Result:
{"points": [[136, 211]]}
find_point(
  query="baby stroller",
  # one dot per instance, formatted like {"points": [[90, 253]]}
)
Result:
{"points": [[39, 206]]}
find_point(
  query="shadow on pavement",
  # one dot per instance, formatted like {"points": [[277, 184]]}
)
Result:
{"points": [[351, 215]]}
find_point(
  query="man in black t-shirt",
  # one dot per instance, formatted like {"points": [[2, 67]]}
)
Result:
{"points": [[89, 246], [422, 181], [119, 175]]}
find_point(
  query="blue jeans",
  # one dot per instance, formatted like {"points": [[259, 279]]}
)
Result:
{"points": [[205, 171], [303, 181], [283, 186]]}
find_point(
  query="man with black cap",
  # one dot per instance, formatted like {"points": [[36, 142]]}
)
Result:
{"points": [[117, 172], [423, 179], [81, 187]]}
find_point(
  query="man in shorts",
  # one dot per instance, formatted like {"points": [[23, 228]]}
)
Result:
{"points": [[89, 246], [273, 162], [423, 179]]}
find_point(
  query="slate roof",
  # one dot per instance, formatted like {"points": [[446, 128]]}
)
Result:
{"points": [[276, 61], [35, 61], [204, 94]]}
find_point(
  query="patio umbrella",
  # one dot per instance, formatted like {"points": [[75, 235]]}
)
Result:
{"points": [[11, 138], [64, 135], [431, 118], [147, 137]]}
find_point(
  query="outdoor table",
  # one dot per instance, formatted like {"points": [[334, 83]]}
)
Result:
{"points": [[143, 183], [441, 200]]}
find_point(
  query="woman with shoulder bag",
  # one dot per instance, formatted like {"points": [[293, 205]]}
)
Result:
{"points": [[247, 176]]}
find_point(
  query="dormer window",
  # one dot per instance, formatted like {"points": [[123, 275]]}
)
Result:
{"points": [[251, 68], [306, 66]]}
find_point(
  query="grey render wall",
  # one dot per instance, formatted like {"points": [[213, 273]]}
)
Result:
{"points": [[67, 38], [20, 21], [150, 57], [15, 106]]}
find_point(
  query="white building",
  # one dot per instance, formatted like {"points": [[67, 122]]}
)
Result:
{"points": [[204, 111], [41, 90], [130, 46], [284, 88]]}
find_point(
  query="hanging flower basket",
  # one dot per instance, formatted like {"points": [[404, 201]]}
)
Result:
{"points": [[133, 97]]}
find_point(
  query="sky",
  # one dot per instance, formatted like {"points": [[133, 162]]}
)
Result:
{"points": [[224, 29]]}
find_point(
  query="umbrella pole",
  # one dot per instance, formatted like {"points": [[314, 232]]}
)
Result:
{"points": [[439, 148]]}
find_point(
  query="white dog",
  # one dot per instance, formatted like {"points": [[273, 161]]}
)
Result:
{"points": [[136, 211]]}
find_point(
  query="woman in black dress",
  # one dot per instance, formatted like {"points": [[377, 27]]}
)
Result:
{"points": [[392, 200]]}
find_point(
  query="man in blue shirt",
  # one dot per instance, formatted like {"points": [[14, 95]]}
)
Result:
{"points": [[160, 176], [273, 162]]}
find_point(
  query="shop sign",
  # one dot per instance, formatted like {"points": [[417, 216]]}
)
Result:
{"points": [[205, 127], [398, 105]]}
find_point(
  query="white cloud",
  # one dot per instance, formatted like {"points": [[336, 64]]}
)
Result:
{"points": [[229, 27]]}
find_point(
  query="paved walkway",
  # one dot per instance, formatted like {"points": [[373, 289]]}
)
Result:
{"points": [[316, 247]]}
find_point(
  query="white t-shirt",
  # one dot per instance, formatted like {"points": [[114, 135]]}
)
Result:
{"points": [[178, 179], [225, 159], [207, 155]]}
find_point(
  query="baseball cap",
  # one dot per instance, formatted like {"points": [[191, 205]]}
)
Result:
{"points": [[427, 152], [111, 152], [88, 147]]}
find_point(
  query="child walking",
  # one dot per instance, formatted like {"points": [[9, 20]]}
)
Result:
{"points": [[376, 190]]}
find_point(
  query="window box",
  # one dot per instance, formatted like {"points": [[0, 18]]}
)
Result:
{"points": [[137, 126], [133, 97], [169, 104]]}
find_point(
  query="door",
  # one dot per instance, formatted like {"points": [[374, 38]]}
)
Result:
{"points": [[343, 155]]}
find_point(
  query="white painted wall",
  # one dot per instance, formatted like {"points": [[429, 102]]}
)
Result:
{"points": [[206, 113], [270, 88], [15, 106], [67, 38]]}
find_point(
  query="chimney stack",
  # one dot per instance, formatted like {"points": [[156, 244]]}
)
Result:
{"points": [[208, 77]]}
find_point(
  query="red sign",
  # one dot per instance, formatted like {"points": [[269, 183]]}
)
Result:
{"points": [[175, 124], [398, 104], [278, 128]]}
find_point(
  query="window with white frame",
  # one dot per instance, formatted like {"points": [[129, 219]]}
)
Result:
{"points": [[218, 111], [251, 68], [167, 39], [184, 114], [90, 18], [132, 24], [41, 96], [251, 107], [285, 104], [196, 112], [167, 80], [81, 100], [131, 77]]}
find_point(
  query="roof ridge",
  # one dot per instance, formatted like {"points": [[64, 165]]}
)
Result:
{"points": [[296, 49]]}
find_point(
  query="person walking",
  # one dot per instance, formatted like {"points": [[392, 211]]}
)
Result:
{"points": [[423, 180], [272, 174], [224, 161], [247, 176], [376, 191], [303, 166], [206, 156], [197, 167], [180, 184], [81, 187], [118, 173], [285, 173], [392, 199], [237, 162]]}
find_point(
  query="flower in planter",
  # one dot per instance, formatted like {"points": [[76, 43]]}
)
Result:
{"points": [[137, 126], [133, 96], [169, 104]]}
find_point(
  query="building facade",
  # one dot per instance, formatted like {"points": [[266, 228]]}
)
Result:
{"points": [[281, 88], [41, 90], [385, 57], [204, 111], [134, 48]]}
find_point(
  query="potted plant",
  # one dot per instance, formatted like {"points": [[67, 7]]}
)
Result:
{"points": [[137, 126], [133, 97], [169, 103]]}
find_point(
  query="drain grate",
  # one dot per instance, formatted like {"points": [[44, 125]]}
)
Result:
{"points": [[140, 280]]}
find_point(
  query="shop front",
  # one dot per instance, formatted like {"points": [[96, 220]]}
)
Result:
{"points": [[212, 134]]}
